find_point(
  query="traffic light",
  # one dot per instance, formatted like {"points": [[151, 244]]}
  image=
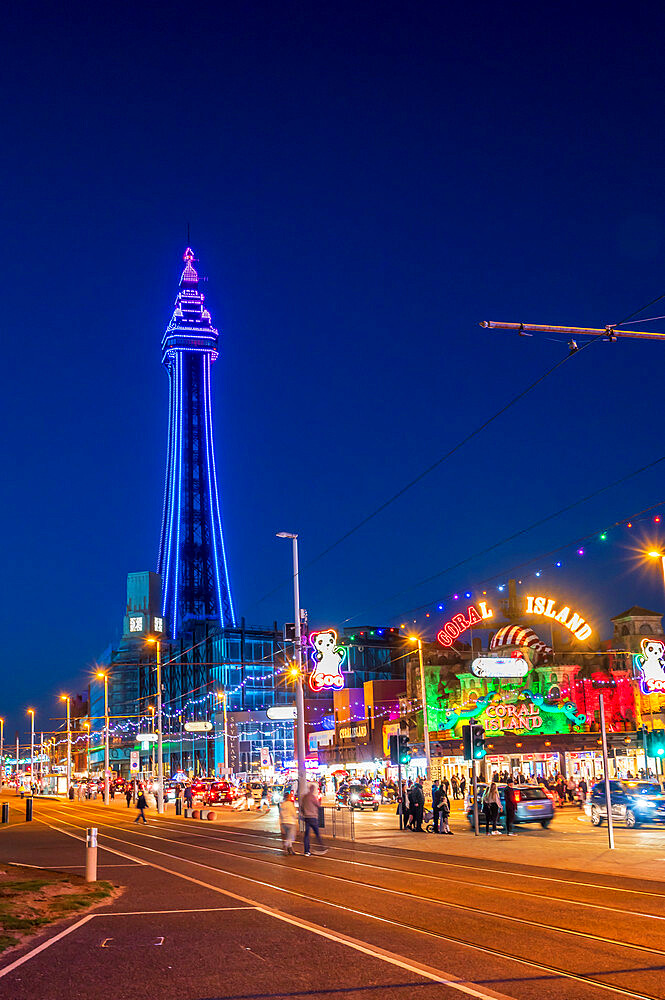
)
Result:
{"points": [[478, 741], [473, 739], [404, 756], [655, 743], [399, 749], [467, 743]]}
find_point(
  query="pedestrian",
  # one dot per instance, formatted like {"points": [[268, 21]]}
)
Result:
{"points": [[583, 789], [288, 823], [455, 785], [71, 793], [411, 807], [128, 795], [511, 807], [309, 810], [491, 807], [444, 809], [570, 789], [265, 800], [189, 796], [141, 805], [403, 806], [112, 791], [462, 785], [81, 791], [418, 806], [437, 794]]}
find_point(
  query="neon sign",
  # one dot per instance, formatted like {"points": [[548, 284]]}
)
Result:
{"points": [[458, 623], [328, 658], [517, 716], [542, 606], [545, 606], [651, 665], [499, 666]]}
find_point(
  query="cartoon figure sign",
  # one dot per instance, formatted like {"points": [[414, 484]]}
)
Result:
{"points": [[328, 658], [651, 665]]}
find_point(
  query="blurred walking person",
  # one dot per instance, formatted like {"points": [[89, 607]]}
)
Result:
{"points": [[309, 810]]}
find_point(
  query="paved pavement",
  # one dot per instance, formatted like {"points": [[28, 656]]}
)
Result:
{"points": [[217, 911]]}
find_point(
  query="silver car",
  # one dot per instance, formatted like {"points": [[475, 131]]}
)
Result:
{"points": [[533, 805]]}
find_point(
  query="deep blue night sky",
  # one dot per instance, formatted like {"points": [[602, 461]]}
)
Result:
{"points": [[364, 183]]}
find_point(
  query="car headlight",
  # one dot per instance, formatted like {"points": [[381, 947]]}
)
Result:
{"points": [[354, 798]]}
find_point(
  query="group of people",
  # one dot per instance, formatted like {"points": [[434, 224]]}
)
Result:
{"points": [[309, 812]]}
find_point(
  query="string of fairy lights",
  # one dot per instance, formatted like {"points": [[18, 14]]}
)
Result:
{"points": [[426, 615]]}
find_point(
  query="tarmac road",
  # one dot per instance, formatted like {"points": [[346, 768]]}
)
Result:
{"points": [[217, 911]]}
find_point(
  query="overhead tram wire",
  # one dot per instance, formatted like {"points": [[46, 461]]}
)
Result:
{"points": [[508, 570], [452, 451], [525, 530]]}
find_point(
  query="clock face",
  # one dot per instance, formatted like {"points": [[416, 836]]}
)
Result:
{"points": [[159, 624], [136, 624]]}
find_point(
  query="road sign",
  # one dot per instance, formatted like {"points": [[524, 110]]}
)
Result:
{"points": [[198, 727], [146, 737], [265, 757], [133, 762]]}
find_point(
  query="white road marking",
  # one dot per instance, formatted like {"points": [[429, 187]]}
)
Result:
{"points": [[199, 909], [110, 850], [371, 949], [45, 944]]}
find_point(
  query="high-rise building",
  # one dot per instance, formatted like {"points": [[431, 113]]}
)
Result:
{"points": [[192, 558]]}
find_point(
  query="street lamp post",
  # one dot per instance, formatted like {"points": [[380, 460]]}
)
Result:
{"points": [[300, 698], [151, 709], [66, 698], [160, 760], [104, 674], [2, 752], [31, 713], [86, 726], [428, 756]]}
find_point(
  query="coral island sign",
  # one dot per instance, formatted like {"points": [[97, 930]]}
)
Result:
{"points": [[545, 607], [520, 716]]}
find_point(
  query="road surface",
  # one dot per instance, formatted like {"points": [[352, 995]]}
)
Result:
{"points": [[217, 911]]}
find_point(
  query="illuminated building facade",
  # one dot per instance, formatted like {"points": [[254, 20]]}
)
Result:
{"points": [[192, 558]]}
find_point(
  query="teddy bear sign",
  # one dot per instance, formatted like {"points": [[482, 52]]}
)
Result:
{"points": [[328, 658], [651, 665]]}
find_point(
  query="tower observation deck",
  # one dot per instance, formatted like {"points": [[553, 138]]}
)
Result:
{"points": [[192, 558]]}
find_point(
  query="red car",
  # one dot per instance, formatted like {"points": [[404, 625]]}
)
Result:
{"points": [[220, 793], [358, 797]]}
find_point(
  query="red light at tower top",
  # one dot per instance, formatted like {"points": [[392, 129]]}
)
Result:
{"points": [[656, 519]]}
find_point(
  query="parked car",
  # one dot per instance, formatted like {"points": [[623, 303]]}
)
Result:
{"points": [[633, 803], [533, 805], [358, 797]]}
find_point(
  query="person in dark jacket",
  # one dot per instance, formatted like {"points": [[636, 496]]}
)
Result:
{"points": [[511, 807], [188, 796], [417, 806], [437, 795], [404, 806], [141, 805]]}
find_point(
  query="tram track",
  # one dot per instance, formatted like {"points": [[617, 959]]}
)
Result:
{"points": [[127, 839]]}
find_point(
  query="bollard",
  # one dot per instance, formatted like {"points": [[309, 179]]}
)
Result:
{"points": [[28, 810], [5, 812], [91, 854], [178, 807]]}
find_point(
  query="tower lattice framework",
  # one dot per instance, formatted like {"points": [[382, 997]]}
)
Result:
{"points": [[192, 557]]}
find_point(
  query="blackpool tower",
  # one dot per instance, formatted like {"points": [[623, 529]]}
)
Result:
{"points": [[192, 560]]}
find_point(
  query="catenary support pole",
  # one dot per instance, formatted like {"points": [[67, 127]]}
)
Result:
{"points": [[608, 795]]}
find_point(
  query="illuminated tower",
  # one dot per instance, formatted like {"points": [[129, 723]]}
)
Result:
{"points": [[192, 560]]}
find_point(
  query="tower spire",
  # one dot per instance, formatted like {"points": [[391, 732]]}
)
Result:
{"points": [[192, 557]]}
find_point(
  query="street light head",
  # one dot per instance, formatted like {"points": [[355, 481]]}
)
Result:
{"points": [[64, 697], [31, 711], [654, 555], [152, 640], [101, 674], [285, 534]]}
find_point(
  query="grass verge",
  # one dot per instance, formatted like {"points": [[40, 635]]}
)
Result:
{"points": [[30, 901]]}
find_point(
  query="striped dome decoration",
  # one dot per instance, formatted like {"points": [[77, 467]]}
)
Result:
{"points": [[518, 635]]}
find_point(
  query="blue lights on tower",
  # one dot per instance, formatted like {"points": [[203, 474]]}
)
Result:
{"points": [[192, 558]]}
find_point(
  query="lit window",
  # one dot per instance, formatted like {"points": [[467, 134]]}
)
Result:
{"points": [[136, 624], [159, 624]]}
